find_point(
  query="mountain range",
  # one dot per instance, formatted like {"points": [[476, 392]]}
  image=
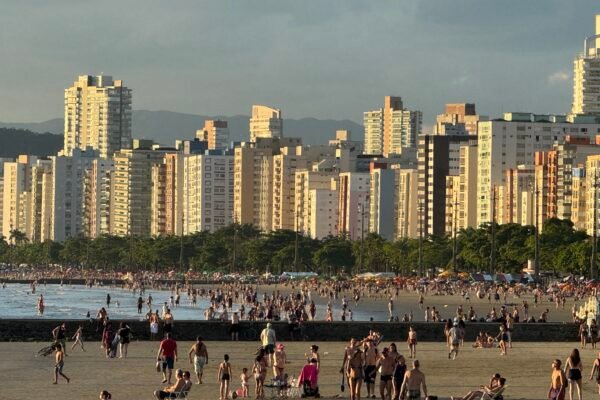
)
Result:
{"points": [[165, 127]]}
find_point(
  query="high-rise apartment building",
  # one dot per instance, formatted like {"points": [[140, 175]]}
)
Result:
{"points": [[285, 165], [306, 181], [215, 133], [265, 122], [167, 195], [97, 197], [513, 141], [68, 191], [131, 189], [2, 161], [458, 114], [322, 212], [586, 76], [578, 205], [253, 180], [407, 211], [382, 200], [592, 194], [97, 115], [208, 191], [391, 129], [38, 216], [17, 184], [353, 204], [439, 157]]}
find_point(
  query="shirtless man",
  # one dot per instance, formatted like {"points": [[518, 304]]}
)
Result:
{"points": [[200, 354], [387, 363], [413, 381], [557, 382], [371, 355]]}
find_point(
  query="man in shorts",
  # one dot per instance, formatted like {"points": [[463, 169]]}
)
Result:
{"points": [[268, 340], [200, 359], [557, 382], [167, 352], [386, 364], [371, 356], [454, 336], [414, 380]]}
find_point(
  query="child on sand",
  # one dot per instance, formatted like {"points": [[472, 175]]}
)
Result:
{"points": [[224, 376], [77, 338], [244, 378], [60, 362]]}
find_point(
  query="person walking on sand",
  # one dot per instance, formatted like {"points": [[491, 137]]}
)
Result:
{"points": [[200, 353], [412, 342], [414, 380], [595, 373], [557, 382], [573, 369], [268, 340], [455, 336], [77, 338], [224, 377], [59, 358], [167, 353]]}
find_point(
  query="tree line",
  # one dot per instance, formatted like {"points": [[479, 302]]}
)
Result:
{"points": [[243, 248]]}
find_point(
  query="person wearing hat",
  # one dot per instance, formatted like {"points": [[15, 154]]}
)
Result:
{"points": [[279, 360], [268, 340]]}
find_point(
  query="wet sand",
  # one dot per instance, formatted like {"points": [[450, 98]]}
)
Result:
{"points": [[527, 368]]}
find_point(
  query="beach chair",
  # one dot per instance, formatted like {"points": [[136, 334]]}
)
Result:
{"points": [[184, 392], [488, 395]]}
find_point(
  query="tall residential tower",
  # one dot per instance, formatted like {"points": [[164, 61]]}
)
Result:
{"points": [[97, 115]]}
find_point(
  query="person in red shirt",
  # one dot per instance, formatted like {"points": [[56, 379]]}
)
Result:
{"points": [[167, 352]]}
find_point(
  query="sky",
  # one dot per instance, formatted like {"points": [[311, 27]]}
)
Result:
{"points": [[311, 58]]}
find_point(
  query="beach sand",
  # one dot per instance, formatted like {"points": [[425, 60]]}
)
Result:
{"points": [[527, 368]]}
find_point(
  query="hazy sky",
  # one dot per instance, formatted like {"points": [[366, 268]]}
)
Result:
{"points": [[324, 59]]}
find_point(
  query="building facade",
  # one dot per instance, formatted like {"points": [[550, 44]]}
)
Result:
{"points": [[97, 115]]}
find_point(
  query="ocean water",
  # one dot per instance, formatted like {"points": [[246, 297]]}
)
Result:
{"points": [[75, 301]]}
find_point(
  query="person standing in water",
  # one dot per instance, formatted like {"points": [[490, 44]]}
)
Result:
{"points": [[108, 300]]}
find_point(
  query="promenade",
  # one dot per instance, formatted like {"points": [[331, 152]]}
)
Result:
{"points": [[527, 369]]}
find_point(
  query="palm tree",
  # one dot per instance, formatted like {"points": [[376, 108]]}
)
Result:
{"points": [[18, 237]]}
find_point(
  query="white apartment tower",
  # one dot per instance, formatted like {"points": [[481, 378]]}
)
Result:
{"points": [[265, 122], [208, 191], [586, 76], [97, 115], [391, 129], [513, 141], [68, 193]]}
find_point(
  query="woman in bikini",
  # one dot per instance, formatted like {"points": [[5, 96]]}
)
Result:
{"points": [[354, 371], [224, 376], [279, 360], [573, 369]]}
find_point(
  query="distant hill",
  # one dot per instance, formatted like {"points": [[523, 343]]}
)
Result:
{"points": [[166, 126], [20, 141]]}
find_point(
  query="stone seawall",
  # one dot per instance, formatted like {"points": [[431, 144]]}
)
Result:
{"points": [[40, 330]]}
